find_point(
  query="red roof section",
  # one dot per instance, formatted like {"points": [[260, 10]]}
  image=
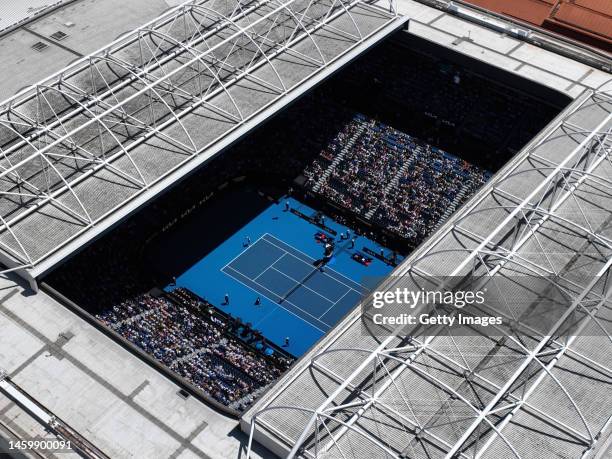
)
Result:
{"points": [[587, 21]]}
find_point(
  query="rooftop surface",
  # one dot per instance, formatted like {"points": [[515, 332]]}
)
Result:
{"points": [[114, 17], [546, 215], [512, 227], [588, 21], [85, 148], [16, 11], [88, 26], [123, 405]]}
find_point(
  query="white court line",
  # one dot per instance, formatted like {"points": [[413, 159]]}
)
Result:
{"points": [[329, 309], [275, 302], [266, 270], [308, 256], [286, 252], [244, 250], [299, 283]]}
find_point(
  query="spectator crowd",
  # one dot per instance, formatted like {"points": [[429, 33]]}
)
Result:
{"points": [[186, 335], [392, 179]]}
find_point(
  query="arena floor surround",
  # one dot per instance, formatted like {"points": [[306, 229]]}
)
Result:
{"points": [[274, 258]]}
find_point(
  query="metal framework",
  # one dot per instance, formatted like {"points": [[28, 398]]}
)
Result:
{"points": [[88, 145], [546, 217]]}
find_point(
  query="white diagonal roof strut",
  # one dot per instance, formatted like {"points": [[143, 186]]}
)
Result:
{"points": [[574, 178], [98, 115]]}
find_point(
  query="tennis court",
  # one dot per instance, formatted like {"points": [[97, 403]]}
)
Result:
{"points": [[291, 279], [273, 257]]}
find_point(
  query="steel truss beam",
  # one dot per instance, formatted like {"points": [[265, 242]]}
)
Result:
{"points": [[103, 107], [525, 218]]}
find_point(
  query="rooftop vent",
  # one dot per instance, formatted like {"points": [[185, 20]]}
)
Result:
{"points": [[40, 46], [59, 35]]}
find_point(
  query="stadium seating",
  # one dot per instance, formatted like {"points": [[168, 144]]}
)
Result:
{"points": [[397, 181], [447, 93], [187, 336]]}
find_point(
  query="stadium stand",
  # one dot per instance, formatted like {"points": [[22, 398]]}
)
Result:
{"points": [[190, 337], [434, 100], [384, 175]]}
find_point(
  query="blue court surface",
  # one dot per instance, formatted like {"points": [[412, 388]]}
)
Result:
{"points": [[273, 258]]}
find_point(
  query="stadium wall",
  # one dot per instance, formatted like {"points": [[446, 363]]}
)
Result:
{"points": [[516, 82]]}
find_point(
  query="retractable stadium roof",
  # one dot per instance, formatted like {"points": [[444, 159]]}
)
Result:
{"points": [[544, 219], [82, 149]]}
